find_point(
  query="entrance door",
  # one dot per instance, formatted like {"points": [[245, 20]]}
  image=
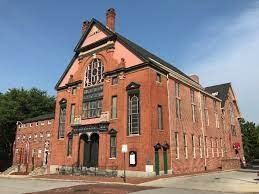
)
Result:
{"points": [[157, 162], [165, 161], [94, 150]]}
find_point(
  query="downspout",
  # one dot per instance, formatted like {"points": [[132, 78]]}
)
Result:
{"points": [[170, 123], [203, 134]]}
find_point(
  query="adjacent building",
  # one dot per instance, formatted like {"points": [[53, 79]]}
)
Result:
{"points": [[115, 96]]}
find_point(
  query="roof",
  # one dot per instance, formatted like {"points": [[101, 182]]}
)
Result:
{"points": [[39, 118], [133, 47], [222, 90]]}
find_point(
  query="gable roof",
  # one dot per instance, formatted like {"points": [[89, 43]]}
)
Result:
{"points": [[222, 90], [142, 53], [40, 118]]}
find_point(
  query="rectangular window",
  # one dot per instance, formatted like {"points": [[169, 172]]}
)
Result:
{"points": [[160, 117], [133, 114], [62, 121], [217, 147], [158, 77], [70, 145], [178, 108], [212, 147], [114, 107], [73, 91], [200, 146], [72, 113], [39, 153], [177, 89], [192, 96], [113, 146], [217, 119], [193, 146], [193, 107], [176, 145], [185, 145], [92, 109], [207, 147], [115, 80], [207, 117], [92, 102], [221, 146]]}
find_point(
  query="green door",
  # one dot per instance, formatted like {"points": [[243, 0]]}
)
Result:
{"points": [[165, 161], [156, 162]]}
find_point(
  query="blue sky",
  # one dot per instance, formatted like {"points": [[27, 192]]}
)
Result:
{"points": [[218, 40]]}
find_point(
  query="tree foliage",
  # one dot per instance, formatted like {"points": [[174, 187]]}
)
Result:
{"points": [[250, 134], [18, 105]]}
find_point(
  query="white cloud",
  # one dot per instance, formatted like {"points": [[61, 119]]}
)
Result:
{"points": [[229, 52]]}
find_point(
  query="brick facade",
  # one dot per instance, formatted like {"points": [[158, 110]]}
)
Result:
{"points": [[159, 145]]}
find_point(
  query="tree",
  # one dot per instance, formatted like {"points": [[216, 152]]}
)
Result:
{"points": [[250, 134], [18, 105]]}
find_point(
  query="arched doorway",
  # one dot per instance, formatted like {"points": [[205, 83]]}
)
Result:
{"points": [[89, 149]]}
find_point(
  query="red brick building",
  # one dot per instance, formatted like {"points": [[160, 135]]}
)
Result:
{"points": [[32, 144], [116, 94]]}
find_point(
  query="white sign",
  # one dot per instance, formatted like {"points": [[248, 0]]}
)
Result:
{"points": [[149, 168], [132, 158], [124, 148]]}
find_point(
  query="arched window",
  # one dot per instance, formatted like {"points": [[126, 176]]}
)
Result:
{"points": [[94, 73], [133, 116]]}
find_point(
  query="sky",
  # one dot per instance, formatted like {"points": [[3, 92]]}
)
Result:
{"points": [[217, 40]]}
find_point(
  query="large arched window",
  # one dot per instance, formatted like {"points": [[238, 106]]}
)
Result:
{"points": [[133, 109], [94, 73]]}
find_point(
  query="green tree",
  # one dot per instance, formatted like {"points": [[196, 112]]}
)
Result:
{"points": [[17, 105], [250, 134]]}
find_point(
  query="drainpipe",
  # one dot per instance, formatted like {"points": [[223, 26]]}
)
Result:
{"points": [[170, 122], [203, 133]]}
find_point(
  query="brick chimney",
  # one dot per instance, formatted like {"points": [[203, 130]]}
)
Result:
{"points": [[110, 19], [85, 26]]}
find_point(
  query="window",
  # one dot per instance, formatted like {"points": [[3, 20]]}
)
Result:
{"points": [[37, 123], [114, 107], [217, 147], [92, 102], [221, 145], [232, 114], [48, 135], [29, 138], [41, 136], [178, 100], [39, 153], [212, 147], [35, 137], [115, 80], [185, 145], [72, 113], [160, 117], [133, 114], [207, 147], [42, 123], [30, 124], [176, 145], [49, 122], [18, 138], [193, 146], [113, 146], [200, 146], [206, 111], [178, 108], [94, 73], [73, 91], [62, 120], [217, 119], [158, 77], [69, 144], [177, 89]]}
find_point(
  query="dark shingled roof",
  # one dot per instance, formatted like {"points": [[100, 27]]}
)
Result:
{"points": [[222, 90], [39, 118], [136, 49]]}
